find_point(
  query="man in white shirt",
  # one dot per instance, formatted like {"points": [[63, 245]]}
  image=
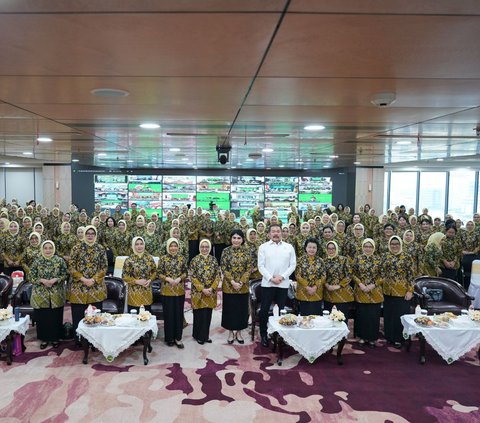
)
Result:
{"points": [[276, 262]]}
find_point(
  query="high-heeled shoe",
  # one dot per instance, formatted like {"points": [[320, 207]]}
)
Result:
{"points": [[231, 338], [239, 340]]}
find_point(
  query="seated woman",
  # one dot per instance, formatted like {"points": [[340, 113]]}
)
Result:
{"points": [[48, 274], [139, 270]]}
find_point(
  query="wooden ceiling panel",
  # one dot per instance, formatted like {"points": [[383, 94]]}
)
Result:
{"points": [[134, 44], [373, 46]]}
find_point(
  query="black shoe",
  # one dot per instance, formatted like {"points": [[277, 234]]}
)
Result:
{"points": [[398, 345], [265, 342], [241, 340], [200, 342], [179, 345], [43, 345], [170, 343], [209, 341]]}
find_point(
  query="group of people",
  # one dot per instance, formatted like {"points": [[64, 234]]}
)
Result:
{"points": [[351, 261]]}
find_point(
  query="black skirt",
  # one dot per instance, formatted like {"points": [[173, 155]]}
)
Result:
{"points": [[393, 308], [173, 317], [235, 311], [367, 321], [202, 317], [307, 308], [49, 323]]}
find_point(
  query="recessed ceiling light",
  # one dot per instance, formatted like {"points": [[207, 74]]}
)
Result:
{"points": [[184, 159], [249, 160], [44, 139], [174, 149], [75, 160], [281, 165], [109, 92], [102, 154], [7, 163], [269, 168], [333, 157], [305, 168], [439, 160], [27, 153], [356, 163], [315, 127], [267, 150], [403, 142], [149, 125], [195, 167], [326, 166], [233, 167], [129, 161], [146, 164]]}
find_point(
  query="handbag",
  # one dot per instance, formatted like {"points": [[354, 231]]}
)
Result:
{"points": [[434, 294]]}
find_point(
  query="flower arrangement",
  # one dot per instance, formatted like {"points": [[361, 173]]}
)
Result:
{"points": [[144, 316], [6, 313], [475, 315], [337, 316]]}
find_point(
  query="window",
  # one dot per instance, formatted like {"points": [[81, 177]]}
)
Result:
{"points": [[461, 194], [432, 193], [403, 189]]}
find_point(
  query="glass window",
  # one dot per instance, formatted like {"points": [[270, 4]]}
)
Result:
{"points": [[403, 189], [460, 194], [432, 193]]}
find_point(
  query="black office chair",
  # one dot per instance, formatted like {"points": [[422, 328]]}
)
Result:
{"points": [[116, 290]]}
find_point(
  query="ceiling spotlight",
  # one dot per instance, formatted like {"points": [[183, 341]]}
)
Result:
{"points": [[403, 142], [356, 163], [281, 165], [75, 160], [174, 149], [333, 157], [149, 125], [7, 163], [44, 139], [267, 150], [102, 154], [440, 160], [129, 161], [314, 127], [109, 92], [27, 153], [269, 168]]}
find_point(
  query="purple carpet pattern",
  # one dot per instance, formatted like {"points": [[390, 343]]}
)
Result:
{"points": [[237, 383]]}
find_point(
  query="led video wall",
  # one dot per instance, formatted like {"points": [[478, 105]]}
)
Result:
{"points": [[239, 194]]}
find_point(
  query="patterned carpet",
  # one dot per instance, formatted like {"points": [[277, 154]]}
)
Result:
{"points": [[236, 383]]}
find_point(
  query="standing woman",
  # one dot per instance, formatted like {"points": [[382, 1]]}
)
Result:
{"points": [[172, 271], [152, 240], [310, 276], [139, 270], [12, 249], [31, 253], [205, 274], [452, 254], [366, 273], [353, 245], [398, 285], [236, 266], [88, 268], [252, 245], [65, 242], [432, 258], [48, 275], [338, 291], [122, 240], [413, 248]]}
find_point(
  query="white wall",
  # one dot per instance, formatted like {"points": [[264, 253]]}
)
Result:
{"points": [[24, 184]]}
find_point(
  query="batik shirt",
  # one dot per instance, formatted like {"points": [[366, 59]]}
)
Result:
{"points": [[51, 268], [172, 266], [452, 251], [310, 272], [338, 272], [397, 274], [366, 269], [139, 267], [236, 264], [205, 273]]}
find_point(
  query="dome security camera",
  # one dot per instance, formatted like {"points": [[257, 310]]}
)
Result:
{"points": [[223, 154], [383, 99]]}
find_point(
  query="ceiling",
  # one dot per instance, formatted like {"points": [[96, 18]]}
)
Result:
{"points": [[245, 74]]}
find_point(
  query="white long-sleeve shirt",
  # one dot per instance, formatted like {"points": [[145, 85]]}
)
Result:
{"points": [[276, 259]]}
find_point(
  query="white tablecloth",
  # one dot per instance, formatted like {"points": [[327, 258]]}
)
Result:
{"points": [[112, 340], [451, 343], [20, 327], [310, 343]]}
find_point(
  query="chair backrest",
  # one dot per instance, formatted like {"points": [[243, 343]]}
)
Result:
{"points": [[452, 290], [22, 294], [115, 288], [156, 285], [6, 284], [256, 290]]}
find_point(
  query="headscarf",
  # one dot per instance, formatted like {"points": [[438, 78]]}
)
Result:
{"points": [[177, 222], [436, 238], [87, 228], [336, 225], [118, 225], [411, 218], [413, 239], [390, 241], [13, 222], [370, 241], [358, 225], [209, 247], [325, 219], [94, 218], [6, 223], [62, 227], [305, 225], [336, 249], [39, 237], [249, 231], [26, 218], [154, 228], [134, 240], [258, 230], [48, 241], [140, 217], [473, 228], [173, 229], [171, 241], [38, 223]]}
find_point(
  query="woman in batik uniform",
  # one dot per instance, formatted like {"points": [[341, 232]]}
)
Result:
{"points": [[432, 257], [411, 247], [109, 232], [219, 236], [382, 242], [122, 240], [152, 240], [338, 291], [366, 273], [236, 265], [65, 242], [398, 277], [424, 234], [139, 270], [353, 245], [88, 266], [310, 276], [172, 271], [252, 243], [31, 253], [192, 227], [326, 236], [139, 228], [183, 248], [262, 236], [340, 237], [471, 246], [452, 254], [205, 274], [12, 249], [301, 238], [48, 275]]}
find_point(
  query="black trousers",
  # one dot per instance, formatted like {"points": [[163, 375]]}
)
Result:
{"points": [[49, 323], [367, 321], [343, 307], [202, 317], [192, 249], [270, 295], [219, 250], [467, 268], [78, 312], [307, 308], [173, 317], [393, 308]]}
